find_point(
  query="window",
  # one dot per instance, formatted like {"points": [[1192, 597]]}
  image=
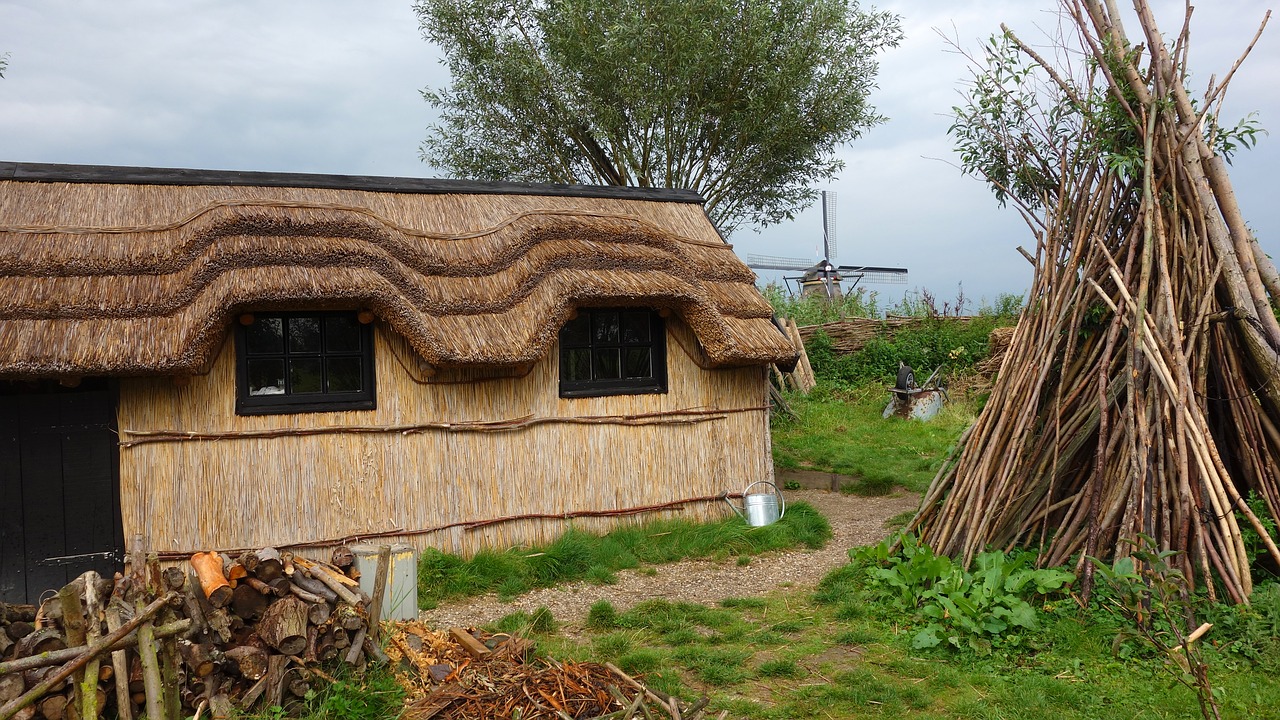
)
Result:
{"points": [[304, 362], [610, 351]]}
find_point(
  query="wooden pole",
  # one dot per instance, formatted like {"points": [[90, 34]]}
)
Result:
{"points": [[143, 616]]}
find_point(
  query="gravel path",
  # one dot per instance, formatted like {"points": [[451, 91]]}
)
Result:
{"points": [[855, 521]]}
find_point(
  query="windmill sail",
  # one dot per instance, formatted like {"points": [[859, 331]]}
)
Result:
{"points": [[822, 275]]}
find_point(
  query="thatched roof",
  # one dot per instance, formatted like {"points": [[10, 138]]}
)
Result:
{"points": [[126, 271]]}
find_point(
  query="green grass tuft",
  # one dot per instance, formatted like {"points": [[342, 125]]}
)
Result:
{"points": [[780, 669], [602, 616], [578, 555]]}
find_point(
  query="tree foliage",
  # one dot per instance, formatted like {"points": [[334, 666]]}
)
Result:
{"points": [[744, 101]]}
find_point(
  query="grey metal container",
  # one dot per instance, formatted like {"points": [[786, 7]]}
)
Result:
{"points": [[400, 600]]}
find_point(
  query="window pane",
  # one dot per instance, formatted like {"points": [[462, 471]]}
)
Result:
{"points": [[607, 364], [265, 335], [635, 327], [341, 334], [304, 375], [605, 326], [577, 364], [639, 364], [344, 374], [577, 332], [266, 377], [304, 334]]}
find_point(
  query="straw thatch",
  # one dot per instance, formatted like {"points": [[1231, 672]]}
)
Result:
{"points": [[119, 276], [140, 274]]}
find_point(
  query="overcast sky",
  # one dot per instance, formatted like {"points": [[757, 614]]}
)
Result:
{"points": [[334, 86]]}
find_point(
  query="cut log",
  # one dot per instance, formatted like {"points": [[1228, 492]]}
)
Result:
{"points": [[175, 578], [201, 658], [19, 629], [315, 587], [17, 613], [53, 707], [247, 603], [276, 666], [342, 557], [341, 638], [284, 626], [219, 623], [319, 613], [267, 565], [11, 686], [235, 572], [208, 567], [250, 661], [36, 676], [296, 682], [220, 707], [348, 590], [39, 641], [306, 596], [348, 618], [265, 588]]}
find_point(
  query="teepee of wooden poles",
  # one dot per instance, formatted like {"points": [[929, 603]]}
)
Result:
{"points": [[1140, 398]]}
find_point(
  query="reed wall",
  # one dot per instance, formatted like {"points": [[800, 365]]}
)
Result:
{"points": [[395, 470]]}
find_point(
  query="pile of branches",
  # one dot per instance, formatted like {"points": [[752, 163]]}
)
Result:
{"points": [[1140, 399], [228, 634], [467, 674]]}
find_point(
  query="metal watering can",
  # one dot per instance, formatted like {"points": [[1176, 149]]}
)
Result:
{"points": [[760, 509]]}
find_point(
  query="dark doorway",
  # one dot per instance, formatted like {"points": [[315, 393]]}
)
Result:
{"points": [[59, 486]]}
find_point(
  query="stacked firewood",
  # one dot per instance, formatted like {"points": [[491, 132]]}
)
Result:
{"points": [[228, 633]]}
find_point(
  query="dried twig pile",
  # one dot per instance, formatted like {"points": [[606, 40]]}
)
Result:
{"points": [[471, 675], [1141, 393]]}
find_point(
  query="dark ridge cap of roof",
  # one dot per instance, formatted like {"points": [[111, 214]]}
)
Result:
{"points": [[50, 172]]}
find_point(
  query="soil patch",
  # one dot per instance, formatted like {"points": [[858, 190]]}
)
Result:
{"points": [[855, 521]]}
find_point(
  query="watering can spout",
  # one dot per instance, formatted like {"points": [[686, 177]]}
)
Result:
{"points": [[760, 509]]}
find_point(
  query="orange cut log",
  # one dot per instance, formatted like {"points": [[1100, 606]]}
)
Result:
{"points": [[208, 567]]}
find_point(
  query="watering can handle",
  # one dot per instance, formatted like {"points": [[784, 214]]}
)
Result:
{"points": [[729, 502], [782, 502]]}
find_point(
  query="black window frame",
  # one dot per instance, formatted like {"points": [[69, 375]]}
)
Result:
{"points": [[655, 383], [322, 401]]}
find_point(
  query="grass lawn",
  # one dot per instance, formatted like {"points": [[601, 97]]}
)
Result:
{"points": [[844, 433], [791, 656]]}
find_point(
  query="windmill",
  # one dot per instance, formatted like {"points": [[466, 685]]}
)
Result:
{"points": [[825, 277]]}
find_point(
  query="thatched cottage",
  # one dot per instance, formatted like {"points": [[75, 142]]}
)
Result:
{"points": [[232, 360]]}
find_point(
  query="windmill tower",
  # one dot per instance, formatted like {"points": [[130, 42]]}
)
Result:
{"points": [[825, 278]]}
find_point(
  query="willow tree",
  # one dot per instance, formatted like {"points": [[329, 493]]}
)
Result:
{"points": [[744, 101], [1139, 401]]}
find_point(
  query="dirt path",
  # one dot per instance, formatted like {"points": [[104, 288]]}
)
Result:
{"points": [[855, 521]]}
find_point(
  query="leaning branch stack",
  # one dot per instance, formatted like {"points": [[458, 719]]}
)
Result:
{"points": [[1140, 397]]}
